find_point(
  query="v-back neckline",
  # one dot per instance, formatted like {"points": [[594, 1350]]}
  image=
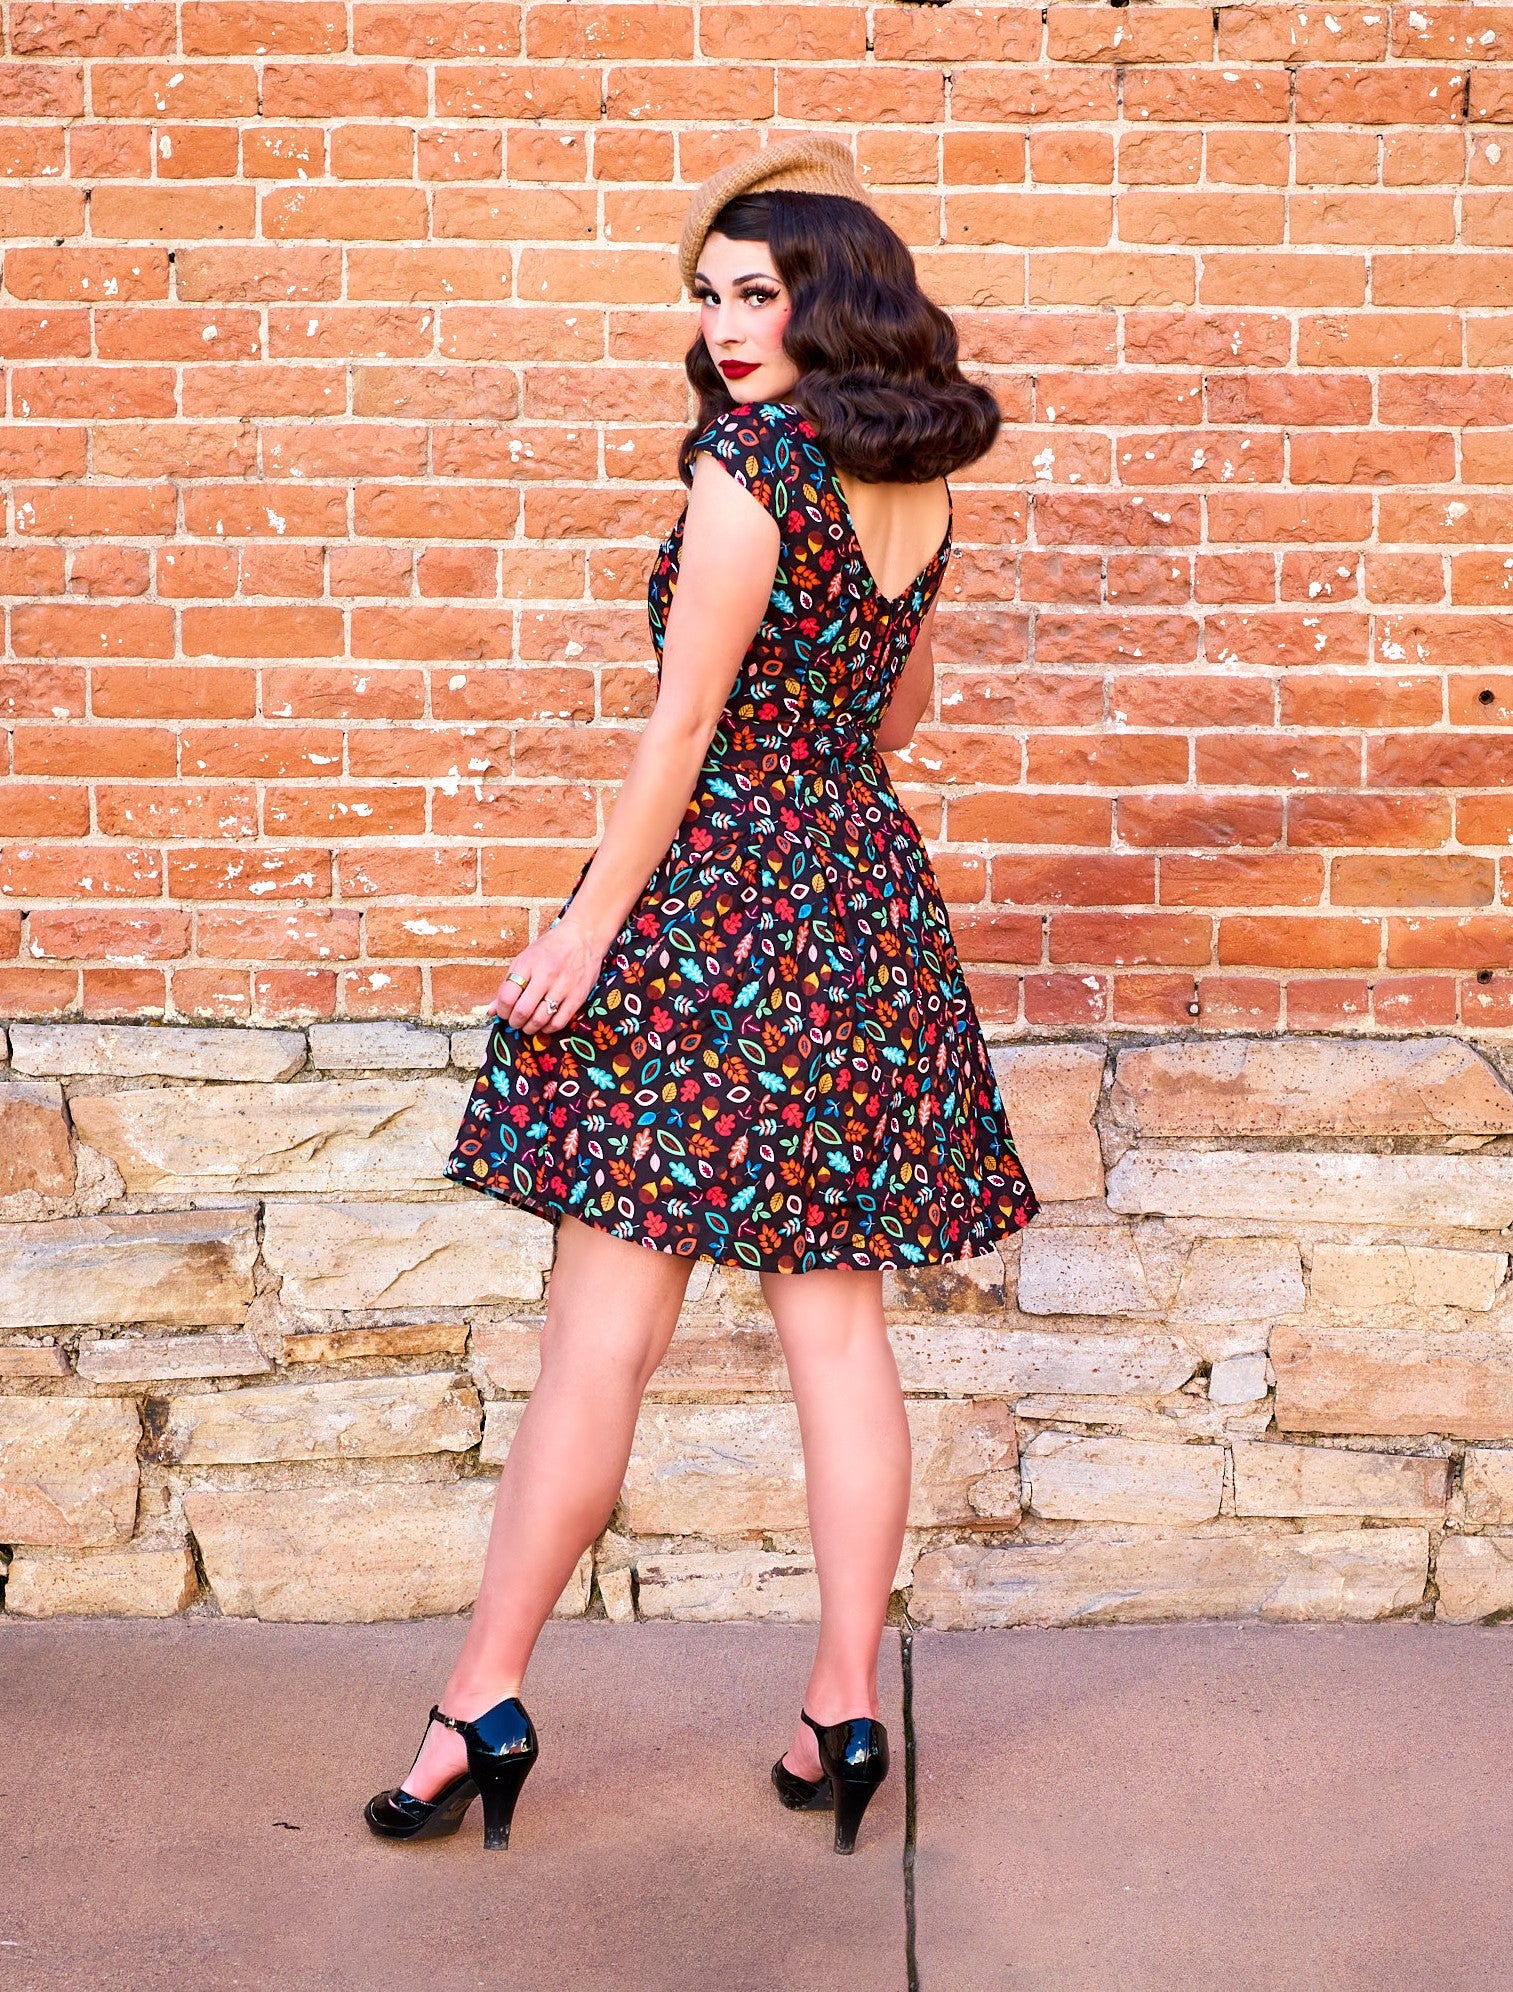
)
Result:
{"points": [[888, 601]]}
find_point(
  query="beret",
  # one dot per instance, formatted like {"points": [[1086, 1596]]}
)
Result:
{"points": [[808, 163]]}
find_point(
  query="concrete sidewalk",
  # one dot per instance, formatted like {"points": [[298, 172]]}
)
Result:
{"points": [[1197, 1809]]}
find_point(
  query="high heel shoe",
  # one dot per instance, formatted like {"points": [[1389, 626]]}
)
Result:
{"points": [[502, 1748], [854, 1760], [801, 1794]]}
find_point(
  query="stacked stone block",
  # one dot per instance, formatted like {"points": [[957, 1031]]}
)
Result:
{"points": [[1254, 1359]]}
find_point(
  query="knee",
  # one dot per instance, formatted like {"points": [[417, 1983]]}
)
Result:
{"points": [[613, 1356], [840, 1339]]}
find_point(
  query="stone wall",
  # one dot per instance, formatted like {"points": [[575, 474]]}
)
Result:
{"points": [[1255, 1359]]}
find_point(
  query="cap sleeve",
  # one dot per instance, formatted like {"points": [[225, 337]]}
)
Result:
{"points": [[756, 441]]}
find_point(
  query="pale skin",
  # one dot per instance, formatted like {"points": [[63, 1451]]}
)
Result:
{"points": [[613, 1304]]}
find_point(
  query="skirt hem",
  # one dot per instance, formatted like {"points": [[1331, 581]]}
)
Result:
{"points": [[705, 1246]]}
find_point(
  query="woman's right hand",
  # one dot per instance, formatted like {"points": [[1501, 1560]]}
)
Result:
{"points": [[561, 966]]}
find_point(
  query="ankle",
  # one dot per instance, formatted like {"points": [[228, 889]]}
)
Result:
{"points": [[470, 1695], [831, 1705]]}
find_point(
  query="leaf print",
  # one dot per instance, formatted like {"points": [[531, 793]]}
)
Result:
{"points": [[780, 1065]]}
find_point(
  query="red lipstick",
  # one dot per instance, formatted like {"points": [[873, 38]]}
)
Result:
{"points": [[737, 369]]}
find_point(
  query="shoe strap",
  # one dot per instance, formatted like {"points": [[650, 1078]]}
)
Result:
{"points": [[450, 1721]]}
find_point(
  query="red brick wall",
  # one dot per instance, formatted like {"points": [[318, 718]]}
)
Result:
{"points": [[343, 360]]}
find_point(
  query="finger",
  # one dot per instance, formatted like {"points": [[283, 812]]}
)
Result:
{"points": [[539, 1017], [527, 1002], [510, 996]]}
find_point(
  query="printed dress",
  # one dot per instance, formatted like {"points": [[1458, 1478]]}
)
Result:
{"points": [[779, 1065]]}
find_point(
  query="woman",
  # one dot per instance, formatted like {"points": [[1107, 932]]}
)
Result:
{"points": [[746, 1035]]}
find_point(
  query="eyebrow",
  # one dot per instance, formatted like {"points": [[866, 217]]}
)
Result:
{"points": [[766, 275]]}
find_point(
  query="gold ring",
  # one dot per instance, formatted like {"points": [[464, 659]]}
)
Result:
{"points": [[521, 979]]}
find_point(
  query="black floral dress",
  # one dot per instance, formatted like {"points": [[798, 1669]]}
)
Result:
{"points": [[779, 1065]]}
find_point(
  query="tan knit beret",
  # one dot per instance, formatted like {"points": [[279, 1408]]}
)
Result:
{"points": [[808, 163]]}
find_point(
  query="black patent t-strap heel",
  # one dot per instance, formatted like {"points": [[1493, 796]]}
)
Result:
{"points": [[801, 1794], [502, 1748], [854, 1759]]}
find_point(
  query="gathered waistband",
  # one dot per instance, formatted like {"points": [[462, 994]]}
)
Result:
{"points": [[797, 751]]}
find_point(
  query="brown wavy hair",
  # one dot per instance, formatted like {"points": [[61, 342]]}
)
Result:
{"points": [[877, 359]]}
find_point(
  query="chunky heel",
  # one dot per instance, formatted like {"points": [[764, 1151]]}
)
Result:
{"points": [[854, 1758], [502, 1749], [499, 1788], [851, 1801]]}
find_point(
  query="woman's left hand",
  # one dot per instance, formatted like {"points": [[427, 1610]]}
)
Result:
{"points": [[559, 967]]}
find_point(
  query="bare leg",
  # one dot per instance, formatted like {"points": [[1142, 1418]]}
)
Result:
{"points": [[611, 1309], [857, 1465]]}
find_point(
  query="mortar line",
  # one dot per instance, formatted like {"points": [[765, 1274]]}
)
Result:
{"points": [[911, 1949]]}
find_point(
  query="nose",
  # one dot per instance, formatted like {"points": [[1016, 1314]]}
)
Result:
{"points": [[725, 334]]}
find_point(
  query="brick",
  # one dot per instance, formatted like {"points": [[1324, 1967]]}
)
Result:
{"points": [[259, 29], [42, 88], [338, 89], [1286, 277], [373, 152], [283, 152], [486, 31], [44, 335], [1301, 34], [196, 152], [84, 275], [42, 29], [263, 632], [1375, 217], [1206, 96], [110, 630], [1376, 96], [342, 213], [36, 210], [179, 213]]}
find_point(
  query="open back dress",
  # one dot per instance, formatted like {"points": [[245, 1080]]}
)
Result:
{"points": [[779, 1065]]}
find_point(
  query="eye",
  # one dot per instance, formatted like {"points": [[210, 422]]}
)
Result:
{"points": [[756, 296]]}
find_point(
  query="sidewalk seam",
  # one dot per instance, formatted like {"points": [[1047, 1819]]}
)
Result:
{"points": [[911, 1955]]}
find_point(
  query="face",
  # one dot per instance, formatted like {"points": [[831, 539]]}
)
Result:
{"points": [[743, 307]]}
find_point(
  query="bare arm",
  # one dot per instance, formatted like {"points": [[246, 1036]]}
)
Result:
{"points": [[912, 693], [725, 573]]}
